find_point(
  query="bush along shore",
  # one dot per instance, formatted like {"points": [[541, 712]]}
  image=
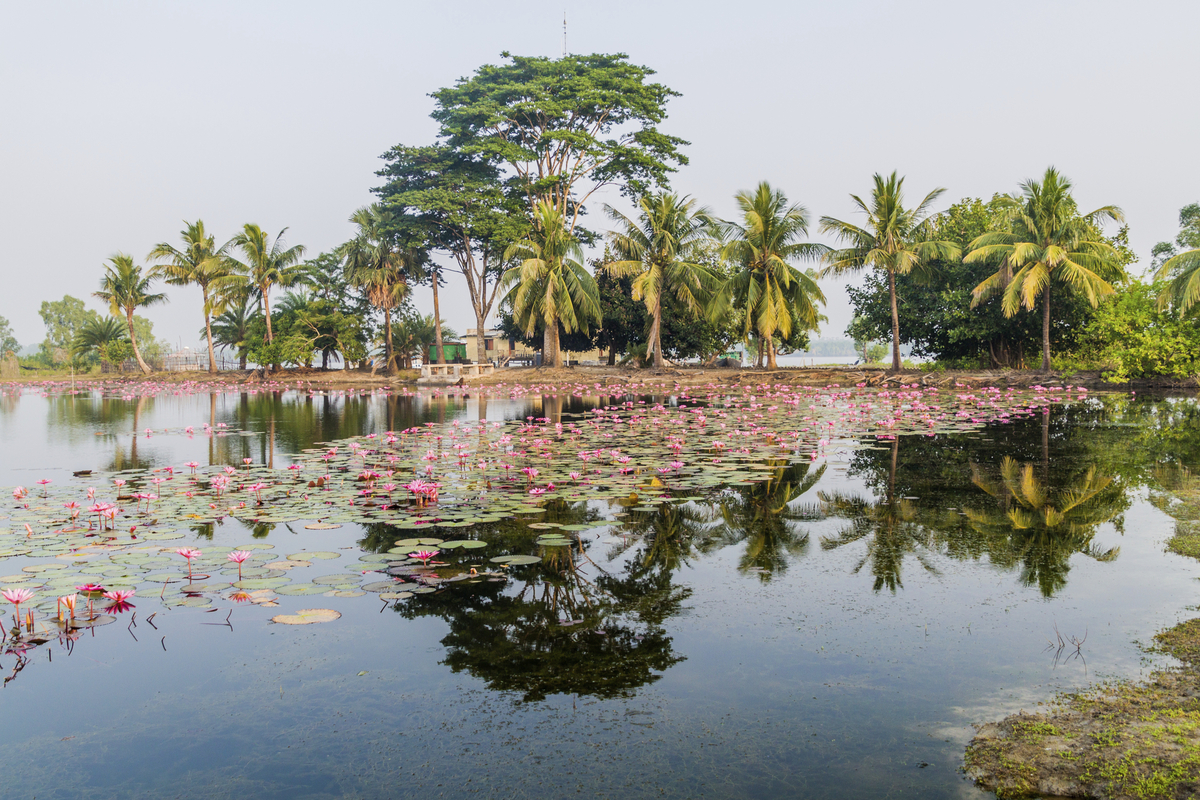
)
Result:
{"points": [[1121, 740]]}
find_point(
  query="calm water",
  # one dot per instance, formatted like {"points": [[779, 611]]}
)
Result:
{"points": [[832, 633]]}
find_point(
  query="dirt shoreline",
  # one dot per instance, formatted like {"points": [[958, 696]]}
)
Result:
{"points": [[644, 378]]}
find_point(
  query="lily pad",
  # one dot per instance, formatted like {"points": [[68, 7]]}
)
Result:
{"points": [[307, 616]]}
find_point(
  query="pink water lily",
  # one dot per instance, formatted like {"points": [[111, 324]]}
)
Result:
{"points": [[119, 599], [189, 553], [424, 555], [16, 597], [239, 557]]}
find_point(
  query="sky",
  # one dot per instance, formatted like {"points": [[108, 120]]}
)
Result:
{"points": [[120, 120]]}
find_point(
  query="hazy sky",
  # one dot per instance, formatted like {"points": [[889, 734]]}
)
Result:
{"points": [[121, 119]]}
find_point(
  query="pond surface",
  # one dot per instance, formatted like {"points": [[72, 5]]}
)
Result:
{"points": [[814, 602]]}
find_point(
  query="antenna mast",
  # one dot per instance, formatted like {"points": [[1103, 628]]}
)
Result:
{"points": [[564, 34]]}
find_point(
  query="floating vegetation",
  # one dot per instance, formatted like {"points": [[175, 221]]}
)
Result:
{"points": [[438, 489], [307, 616]]}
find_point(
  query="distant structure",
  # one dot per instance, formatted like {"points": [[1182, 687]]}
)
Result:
{"points": [[564, 55]]}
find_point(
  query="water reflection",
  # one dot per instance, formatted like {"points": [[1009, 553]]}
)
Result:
{"points": [[562, 626], [1039, 528], [764, 517]]}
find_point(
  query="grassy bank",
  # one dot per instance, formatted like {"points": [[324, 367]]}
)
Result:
{"points": [[1124, 740]]}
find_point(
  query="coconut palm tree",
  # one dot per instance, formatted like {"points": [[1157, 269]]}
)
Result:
{"points": [[231, 328], [893, 241], [126, 289], [1183, 290], [199, 262], [1048, 242], [656, 250], [775, 296], [266, 264], [381, 269], [550, 285]]}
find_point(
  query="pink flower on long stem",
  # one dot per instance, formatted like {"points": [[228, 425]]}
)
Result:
{"points": [[189, 553], [16, 597], [239, 557], [424, 555], [119, 599], [67, 601]]}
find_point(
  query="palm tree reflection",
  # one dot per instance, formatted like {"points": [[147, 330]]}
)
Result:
{"points": [[1040, 529]]}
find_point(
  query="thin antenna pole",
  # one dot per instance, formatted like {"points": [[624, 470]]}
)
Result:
{"points": [[564, 34]]}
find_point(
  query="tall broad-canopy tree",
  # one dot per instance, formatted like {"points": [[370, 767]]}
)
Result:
{"points": [[126, 289], [894, 241], [201, 263], [564, 127], [8, 342], [1181, 269], [378, 265], [657, 250], [550, 285], [774, 296], [265, 264], [1049, 242], [460, 202]]}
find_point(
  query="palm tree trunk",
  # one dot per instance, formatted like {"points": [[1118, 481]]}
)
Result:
{"points": [[771, 352], [267, 314], [1046, 329], [895, 322], [212, 355], [761, 353], [437, 322], [388, 353], [550, 354], [612, 355], [137, 352], [656, 336]]}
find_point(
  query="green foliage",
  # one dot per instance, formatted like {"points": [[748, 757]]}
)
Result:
{"points": [[1187, 239], [8, 342], [457, 205], [264, 264], [63, 320], [774, 297], [894, 243], [1047, 242], [105, 338], [563, 127], [658, 251], [232, 327], [551, 285], [1130, 337]]}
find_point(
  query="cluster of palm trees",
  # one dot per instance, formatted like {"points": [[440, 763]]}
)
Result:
{"points": [[1043, 242], [658, 248]]}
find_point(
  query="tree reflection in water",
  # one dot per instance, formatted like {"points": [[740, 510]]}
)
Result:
{"points": [[563, 626], [1039, 528], [893, 527], [764, 518]]}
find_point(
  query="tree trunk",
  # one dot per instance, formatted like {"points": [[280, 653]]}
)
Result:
{"points": [[480, 339], [550, 354], [212, 356], [771, 353], [437, 322], [758, 363], [388, 354], [1046, 329], [656, 336], [267, 315], [612, 355], [242, 359], [137, 352], [895, 323]]}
